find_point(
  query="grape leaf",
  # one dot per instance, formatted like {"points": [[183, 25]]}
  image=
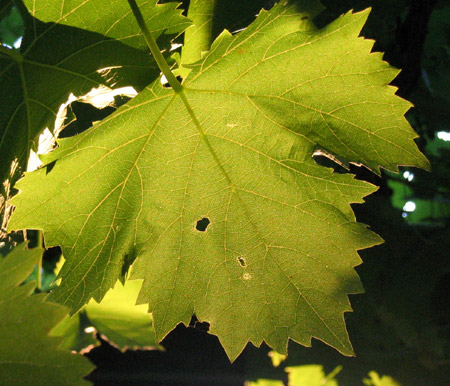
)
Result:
{"points": [[113, 20], [215, 191], [375, 380], [76, 334], [58, 59], [117, 318], [310, 375], [27, 354], [264, 382]]}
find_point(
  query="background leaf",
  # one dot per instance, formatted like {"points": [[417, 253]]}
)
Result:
{"points": [[117, 318], [265, 382], [74, 330], [27, 354], [120, 320], [312, 375], [375, 380]]}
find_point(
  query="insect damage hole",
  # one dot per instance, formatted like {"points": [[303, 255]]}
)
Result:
{"points": [[202, 224], [242, 262]]}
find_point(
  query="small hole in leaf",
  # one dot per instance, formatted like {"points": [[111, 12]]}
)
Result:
{"points": [[324, 158], [165, 83], [242, 261], [202, 224]]}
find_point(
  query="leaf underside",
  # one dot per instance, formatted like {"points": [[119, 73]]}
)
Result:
{"points": [[273, 257], [60, 58]]}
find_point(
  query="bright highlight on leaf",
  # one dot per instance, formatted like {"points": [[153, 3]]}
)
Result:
{"points": [[212, 190], [116, 318], [124, 324]]}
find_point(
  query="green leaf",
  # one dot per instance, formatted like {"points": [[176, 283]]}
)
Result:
{"points": [[76, 333], [113, 19], [276, 358], [117, 318], [264, 382], [58, 59], [215, 190], [310, 375], [120, 320], [375, 380], [11, 26], [28, 356]]}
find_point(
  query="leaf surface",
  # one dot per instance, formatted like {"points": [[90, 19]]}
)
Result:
{"points": [[264, 382], [28, 356], [124, 323], [117, 318], [215, 190], [309, 375], [72, 329], [59, 58]]}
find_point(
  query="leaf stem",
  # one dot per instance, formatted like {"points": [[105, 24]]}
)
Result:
{"points": [[154, 49]]}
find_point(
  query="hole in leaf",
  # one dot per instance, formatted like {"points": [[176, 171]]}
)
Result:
{"points": [[202, 224], [329, 160], [165, 83], [242, 261]]}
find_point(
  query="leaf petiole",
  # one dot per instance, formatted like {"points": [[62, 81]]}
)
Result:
{"points": [[154, 49]]}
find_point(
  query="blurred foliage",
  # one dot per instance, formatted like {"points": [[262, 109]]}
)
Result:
{"points": [[314, 375], [11, 25], [276, 358], [375, 380]]}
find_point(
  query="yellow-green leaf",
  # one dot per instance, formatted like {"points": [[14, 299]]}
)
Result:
{"points": [[214, 191]]}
